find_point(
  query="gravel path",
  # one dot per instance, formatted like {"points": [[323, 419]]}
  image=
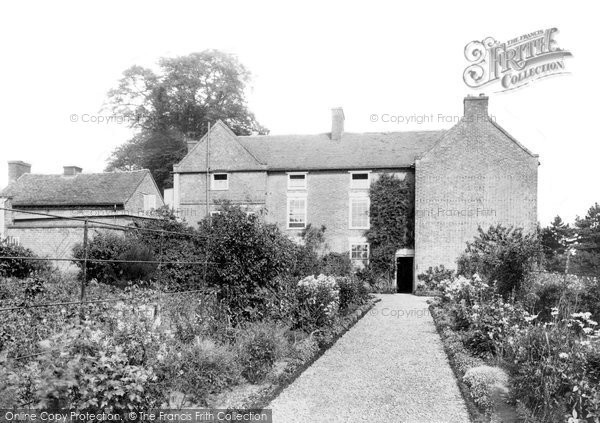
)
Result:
{"points": [[390, 367]]}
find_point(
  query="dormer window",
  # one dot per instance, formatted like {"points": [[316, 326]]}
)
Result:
{"points": [[297, 181], [219, 181], [360, 180]]}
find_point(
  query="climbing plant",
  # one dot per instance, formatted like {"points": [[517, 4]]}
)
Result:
{"points": [[392, 222]]}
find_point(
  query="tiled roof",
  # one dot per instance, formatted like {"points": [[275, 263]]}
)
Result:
{"points": [[354, 150], [82, 189]]}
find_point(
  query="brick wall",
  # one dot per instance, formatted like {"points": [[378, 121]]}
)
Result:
{"points": [[147, 186], [328, 196], [477, 175], [247, 188]]}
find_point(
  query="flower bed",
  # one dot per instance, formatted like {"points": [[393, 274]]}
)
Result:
{"points": [[552, 368], [145, 348]]}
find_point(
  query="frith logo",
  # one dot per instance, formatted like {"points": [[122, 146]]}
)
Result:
{"points": [[516, 62]]}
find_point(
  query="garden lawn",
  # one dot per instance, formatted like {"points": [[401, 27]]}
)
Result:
{"points": [[390, 366]]}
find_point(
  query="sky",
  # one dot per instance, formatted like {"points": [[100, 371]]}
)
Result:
{"points": [[60, 59]]}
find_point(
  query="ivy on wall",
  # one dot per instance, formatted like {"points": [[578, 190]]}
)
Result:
{"points": [[392, 222]]}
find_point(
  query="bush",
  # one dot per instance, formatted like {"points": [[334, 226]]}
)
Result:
{"points": [[502, 256], [173, 242], [247, 257], [113, 246], [352, 292], [465, 361], [491, 323], [570, 294], [336, 264], [482, 381], [433, 276], [556, 370], [318, 302], [80, 369], [260, 345], [200, 369], [18, 267]]}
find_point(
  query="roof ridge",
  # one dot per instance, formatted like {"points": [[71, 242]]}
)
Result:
{"points": [[345, 132]]}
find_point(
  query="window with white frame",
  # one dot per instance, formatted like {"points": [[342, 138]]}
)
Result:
{"points": [[296, 180], [360, 180], [219, 181], [149, 202], [359, 212], [296, 213], [359, 253], [215, 213]]}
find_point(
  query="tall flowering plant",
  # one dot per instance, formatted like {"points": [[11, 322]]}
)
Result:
{"points": [[318, 301]]}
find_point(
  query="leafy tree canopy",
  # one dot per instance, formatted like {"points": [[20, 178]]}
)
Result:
{"points": [[177, 102]]}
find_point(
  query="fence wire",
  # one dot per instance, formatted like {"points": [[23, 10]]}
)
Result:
{"points": [[86, 259]]}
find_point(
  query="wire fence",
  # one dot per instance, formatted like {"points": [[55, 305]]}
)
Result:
{"points": [[86, 260]]}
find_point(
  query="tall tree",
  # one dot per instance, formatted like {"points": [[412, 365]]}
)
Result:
{"points": [[176, 102], [556, 240], [587, 250]]}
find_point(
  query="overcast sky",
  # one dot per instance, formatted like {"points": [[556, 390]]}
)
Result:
{"points": [[60, 59]]}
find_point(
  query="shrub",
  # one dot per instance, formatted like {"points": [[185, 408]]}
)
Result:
{"points": [[247, 257], [502, 256], [305, 349], [482, 381], [172, 242], [113, 246], [336, 264], [18, 267], [260, 345], [491, 323], [433, 276], [568, 293], [555, 372], [200, 368], [318, 302], [352, 292], [465, 361], [468, 290], [80, 369]]}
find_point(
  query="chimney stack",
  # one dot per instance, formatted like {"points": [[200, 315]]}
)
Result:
{"points": [[337, 123], [476, 107], [16, 168], [190, 143], [71, 170]]}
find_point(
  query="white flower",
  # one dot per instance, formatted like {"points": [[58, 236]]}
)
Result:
{"points": [[530, 318], [554, 311], [563, 355]]}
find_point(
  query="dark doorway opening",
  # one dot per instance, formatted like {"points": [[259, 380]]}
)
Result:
{"points": [[404, 274]]}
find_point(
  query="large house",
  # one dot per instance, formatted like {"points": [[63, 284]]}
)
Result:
{"points": [[113, 198], [473, 174]]}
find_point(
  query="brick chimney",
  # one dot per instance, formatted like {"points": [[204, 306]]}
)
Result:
{"points": [[16, 168], [337, 123], [476, 107], [190, 143], [71, 170]]}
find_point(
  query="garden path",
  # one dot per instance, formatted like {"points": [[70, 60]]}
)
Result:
{"points": [[389, 367]]}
